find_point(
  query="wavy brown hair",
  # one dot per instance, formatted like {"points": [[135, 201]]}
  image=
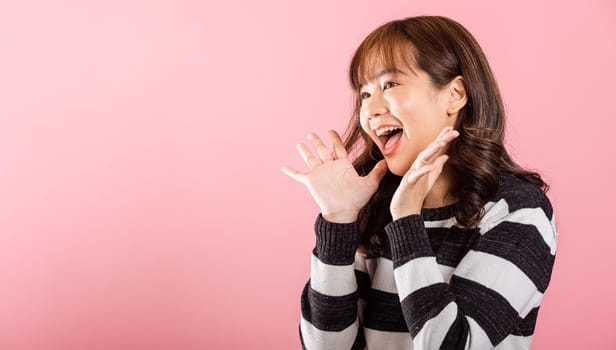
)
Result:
{"points": [[443, 49]]}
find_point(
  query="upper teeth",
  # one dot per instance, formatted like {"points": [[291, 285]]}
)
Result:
{"points": [[387, 130]]}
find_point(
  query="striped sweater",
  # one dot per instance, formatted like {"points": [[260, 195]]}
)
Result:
{"points": [[436, 285]]}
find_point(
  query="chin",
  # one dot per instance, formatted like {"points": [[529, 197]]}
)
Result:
{"points": [[397, 169]]}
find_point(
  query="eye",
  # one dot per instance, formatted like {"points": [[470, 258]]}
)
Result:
{"points": [[389, 82], [363, 95]]}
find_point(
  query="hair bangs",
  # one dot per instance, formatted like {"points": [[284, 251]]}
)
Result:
{"points": [[386, 49]]}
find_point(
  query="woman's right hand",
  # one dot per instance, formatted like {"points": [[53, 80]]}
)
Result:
{"points": [[332, 180]]}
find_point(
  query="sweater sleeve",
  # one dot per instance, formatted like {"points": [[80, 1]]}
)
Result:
{"points": [[497, 284], [329, 300]]}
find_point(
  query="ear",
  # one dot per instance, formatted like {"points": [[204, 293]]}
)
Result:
{"points": [[457, 95]]}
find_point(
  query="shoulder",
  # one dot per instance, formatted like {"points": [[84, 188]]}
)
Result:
{"points": [[519, 205], [519, 194]]}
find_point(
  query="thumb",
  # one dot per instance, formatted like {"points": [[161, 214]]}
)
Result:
{"points": [[379, 170]]}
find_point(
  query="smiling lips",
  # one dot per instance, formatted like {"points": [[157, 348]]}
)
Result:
{"points": [[389, 137], [393, 141]]}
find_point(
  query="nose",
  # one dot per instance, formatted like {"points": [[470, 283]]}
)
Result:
{"points": [[374, 106]]}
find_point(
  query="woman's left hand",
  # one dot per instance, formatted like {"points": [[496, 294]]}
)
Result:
{"points": [[415, 185]]}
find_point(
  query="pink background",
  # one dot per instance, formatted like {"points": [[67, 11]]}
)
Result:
{"points": [[142, 204]]}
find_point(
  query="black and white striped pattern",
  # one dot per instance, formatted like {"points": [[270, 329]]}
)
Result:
{"points": [[436, 285]]}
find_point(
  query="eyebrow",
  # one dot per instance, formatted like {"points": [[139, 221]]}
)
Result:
{"points": [[383, 72]]}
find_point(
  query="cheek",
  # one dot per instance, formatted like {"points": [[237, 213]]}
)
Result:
{"points": [[363, 122], [400, 103]]}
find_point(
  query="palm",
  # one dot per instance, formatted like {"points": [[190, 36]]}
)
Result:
{"points": [[414, 186], [337, 185], [334, 183]]}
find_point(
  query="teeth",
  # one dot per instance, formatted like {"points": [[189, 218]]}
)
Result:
{"points": [[387, 131]]}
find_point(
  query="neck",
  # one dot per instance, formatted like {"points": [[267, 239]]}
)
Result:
{"points": [[439, 195]]}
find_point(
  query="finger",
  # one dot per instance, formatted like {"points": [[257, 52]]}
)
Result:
{"points": [[294, 174], [430, 153], [448, 135], [438, 146], [444, 131], [379, 170], [446, 139], [339, 149], [440, 161], [437, 169], [415, 175], [310, 160], [324, 153]]}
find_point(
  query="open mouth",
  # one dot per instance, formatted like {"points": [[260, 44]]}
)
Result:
{"points": [[391, 138]]}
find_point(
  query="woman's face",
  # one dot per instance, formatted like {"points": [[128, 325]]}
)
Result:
{"points": [[401, 99]]}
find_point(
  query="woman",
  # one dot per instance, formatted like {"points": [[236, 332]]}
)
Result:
{"points": [[433, 237]]}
